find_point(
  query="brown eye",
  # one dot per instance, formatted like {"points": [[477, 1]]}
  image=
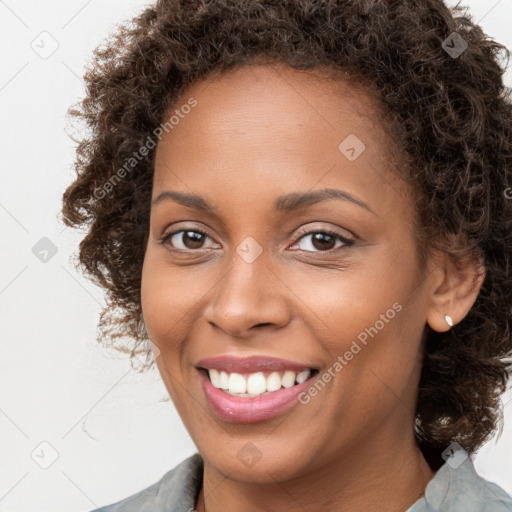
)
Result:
{"points": [[186, 239], [323, 241]]}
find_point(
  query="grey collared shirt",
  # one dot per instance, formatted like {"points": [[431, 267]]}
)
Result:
{"points": [[452, 489]]}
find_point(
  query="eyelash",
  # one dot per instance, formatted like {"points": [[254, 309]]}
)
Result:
{"points": [[346, 241]]}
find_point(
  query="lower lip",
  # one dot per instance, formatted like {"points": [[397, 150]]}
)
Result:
{"points": [[242, 409]]}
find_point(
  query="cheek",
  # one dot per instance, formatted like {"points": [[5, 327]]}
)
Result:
{"points": [[344, 302], [370, 316], [162, 310], [167, 299], [152, 298]]}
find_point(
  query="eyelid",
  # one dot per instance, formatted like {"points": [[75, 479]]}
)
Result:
{"points": [[185, 225], [333, 231], [168, 235]]}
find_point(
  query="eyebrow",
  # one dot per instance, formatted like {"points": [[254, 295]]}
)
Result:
{"points": [[286, 203]]}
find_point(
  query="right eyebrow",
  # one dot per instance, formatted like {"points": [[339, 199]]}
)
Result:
{"points": [[190, 200]]}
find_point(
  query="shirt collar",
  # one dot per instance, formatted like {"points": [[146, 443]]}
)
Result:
{"points": [[180, 487], [451, 487]]}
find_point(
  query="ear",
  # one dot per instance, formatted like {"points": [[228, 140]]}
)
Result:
{"points": [[455, 287]]}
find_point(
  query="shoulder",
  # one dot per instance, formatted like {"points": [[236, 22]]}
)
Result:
{"points": [[176, 490], [459, 488]]}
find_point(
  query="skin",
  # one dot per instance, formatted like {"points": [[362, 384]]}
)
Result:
{"points": [[256, 133]]}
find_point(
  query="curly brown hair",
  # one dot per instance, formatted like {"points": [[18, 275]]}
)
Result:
{"points": [[452, 118]]}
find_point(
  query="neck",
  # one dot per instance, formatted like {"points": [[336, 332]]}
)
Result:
{"points": [[389, 480]]}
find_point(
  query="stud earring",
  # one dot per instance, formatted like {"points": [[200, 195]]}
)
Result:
{"points": [[449, 320]]}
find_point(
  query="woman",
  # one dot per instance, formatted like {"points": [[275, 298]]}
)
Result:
{"points": [[302, 208]]}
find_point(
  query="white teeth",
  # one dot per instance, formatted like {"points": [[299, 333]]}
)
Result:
{"points": [[214, 377], [274, 381], [288, 379], [302, 376], [237, 383], [255, 384], [224, 380]]}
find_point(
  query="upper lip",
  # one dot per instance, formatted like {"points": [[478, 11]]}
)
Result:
{"points": [[251, 364]]}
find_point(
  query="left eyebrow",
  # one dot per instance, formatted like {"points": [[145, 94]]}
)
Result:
{"points": [[296, 200], [285, 203]]}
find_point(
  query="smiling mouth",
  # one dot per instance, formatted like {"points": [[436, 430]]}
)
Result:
{"points": [[256, 383]]}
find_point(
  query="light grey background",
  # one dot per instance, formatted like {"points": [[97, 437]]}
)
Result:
{"points": [[110, 429]]}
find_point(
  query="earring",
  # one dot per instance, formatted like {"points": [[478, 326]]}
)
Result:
{"points": [[449, 320]]}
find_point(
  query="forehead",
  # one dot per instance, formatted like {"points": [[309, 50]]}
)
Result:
{"points": [[271, 126]]}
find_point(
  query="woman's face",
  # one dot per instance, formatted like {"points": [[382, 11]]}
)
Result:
{"points": [[268, 280]]}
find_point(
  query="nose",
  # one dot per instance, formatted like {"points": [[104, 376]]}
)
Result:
{"points": [[249, 296]]}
